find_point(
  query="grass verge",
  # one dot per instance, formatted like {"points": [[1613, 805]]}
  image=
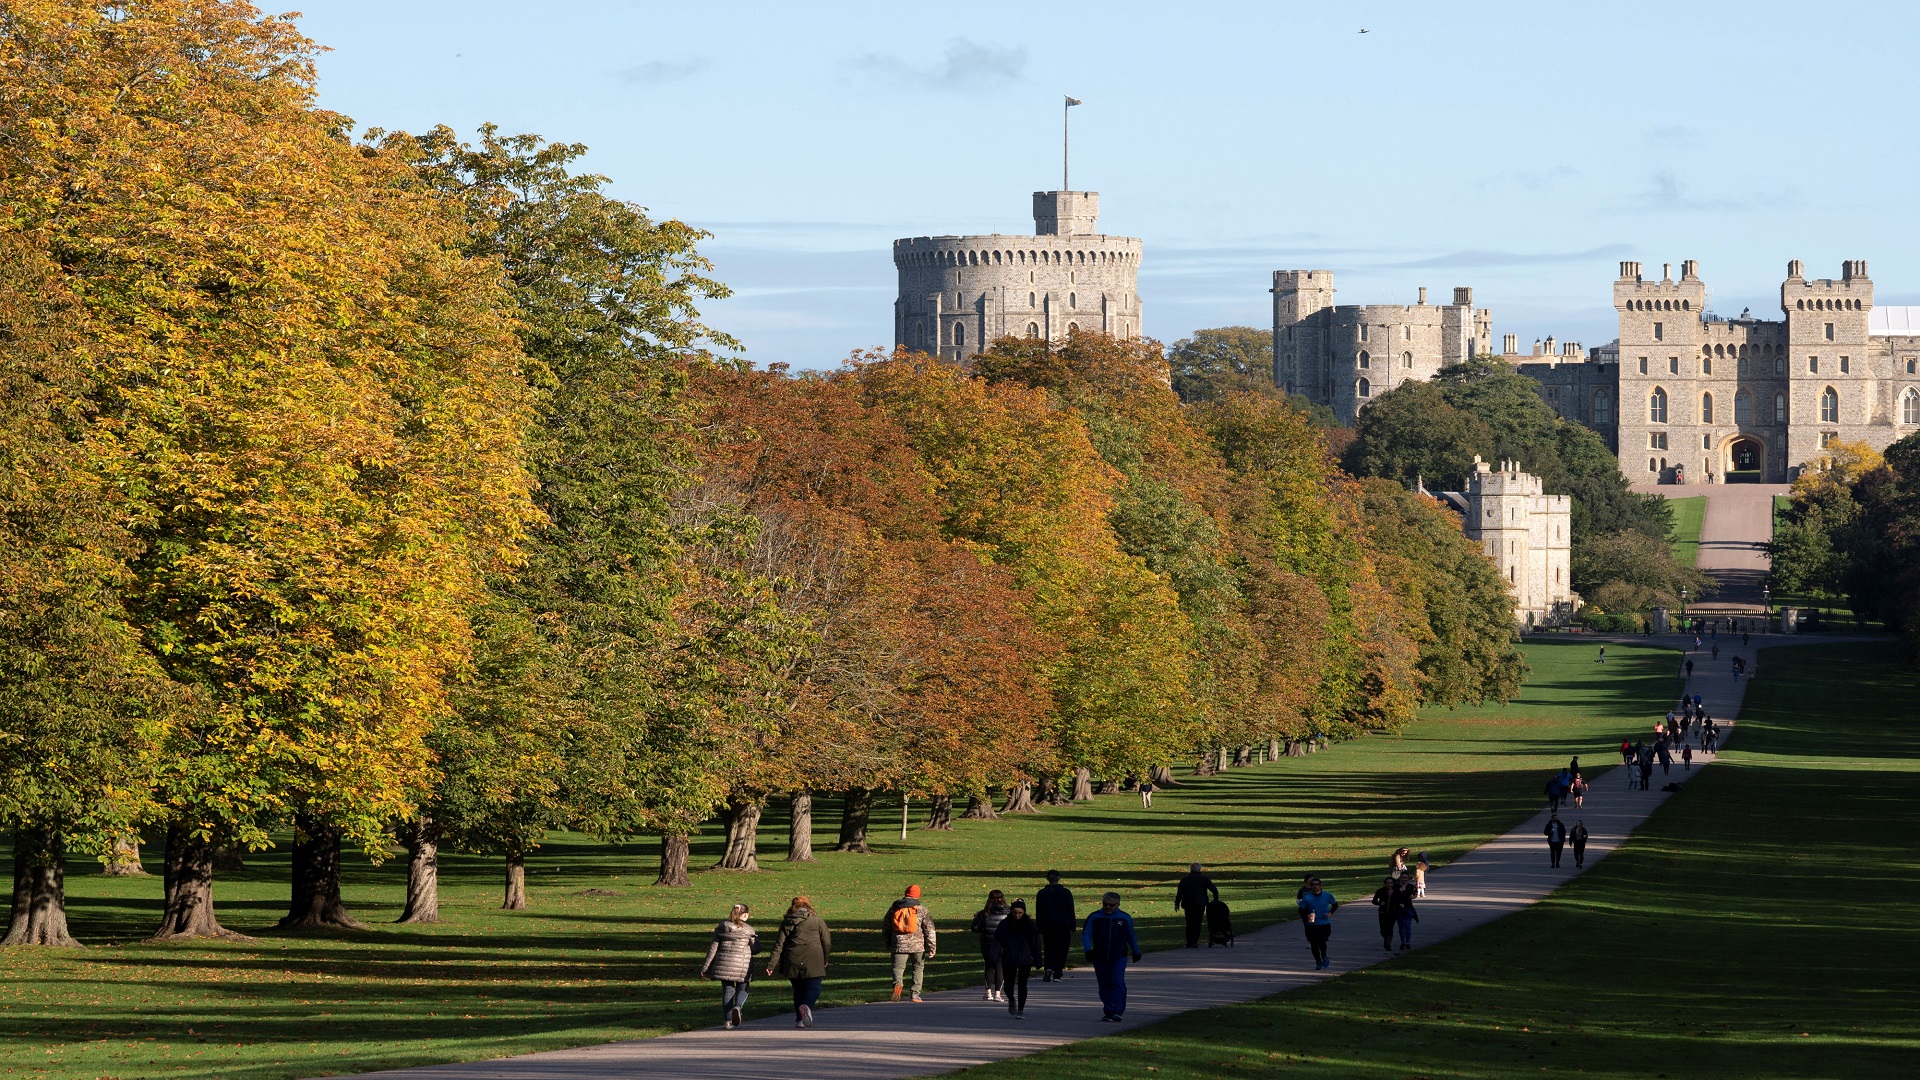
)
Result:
{"points": [[1754, 927], [1685, 538], [600, 956]]}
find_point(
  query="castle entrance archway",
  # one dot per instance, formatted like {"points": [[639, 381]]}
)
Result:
{"points": [[1744, 460]]}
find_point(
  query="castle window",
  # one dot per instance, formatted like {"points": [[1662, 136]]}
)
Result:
{"points": [[1406, 333], [1706, 408], [1657, 406], [1364, 389], [1743, 408], [1829, 406], [1366, 360], [1406, 360], [1706, 366], [1779, 408], [1659, 331], [1706, 442], [1910, 365], [1828, 438], [959, 333], [1844, 365], [1813, 364], [1602, 407], [1643, 365], [1072, 328], [1073, 300], [1743, 365], [1673, 365], [1652, 465], [1656, 440], [1910, 406], [1033, 329], [1033, 300], [1363, 331], [1779, 365], [1829, 331]]}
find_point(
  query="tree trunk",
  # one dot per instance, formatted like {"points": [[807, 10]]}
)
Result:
{"points": [[1273, 749], [673, 861], [800, 828], [1082, 784], [316, 879], [1020, 800], [514, 898], [1048, 791], [855, 812], [980, 807], [743, 834], [1243, 757], [123, 859], [423, 872], [1296, 748], [941, 816], [39, 890], [188, 911], [1163, 776], [227, 859], [1107, 787], [1225, 761], [1206, 765]]}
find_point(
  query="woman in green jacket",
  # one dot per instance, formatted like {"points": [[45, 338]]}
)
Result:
{"points": [[800, 953]]}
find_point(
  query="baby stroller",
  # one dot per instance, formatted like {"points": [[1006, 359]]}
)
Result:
{"points": [[1219, 924]]}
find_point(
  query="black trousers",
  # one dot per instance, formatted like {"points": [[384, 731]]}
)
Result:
{"points": [[1553, 850], [1195, 916], [1579, 853], [1317, 935], [1013, 980], [1053, 948]]}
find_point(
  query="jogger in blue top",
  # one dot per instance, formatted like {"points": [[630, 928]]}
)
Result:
{"points": [[1316, 914], [1109, 941]]}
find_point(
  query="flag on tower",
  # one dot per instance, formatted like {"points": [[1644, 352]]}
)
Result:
{"points": [[1071, 101]]}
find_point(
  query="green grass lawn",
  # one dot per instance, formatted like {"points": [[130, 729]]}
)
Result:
{"points": [[1763, 923], [1685, 538], [579, 968]]}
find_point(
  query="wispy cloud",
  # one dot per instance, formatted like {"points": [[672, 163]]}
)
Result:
{"points": [[1469, 259], [1530, 180], [1666, 192], [965, 65], [655, 72]]}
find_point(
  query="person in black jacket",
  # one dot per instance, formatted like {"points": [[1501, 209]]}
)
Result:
{"points": [[1054, 916], [1018, 938], [1556, 834], [1192, 893]]}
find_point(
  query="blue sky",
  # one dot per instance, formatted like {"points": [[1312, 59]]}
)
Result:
{"points": [[1523, 149]]}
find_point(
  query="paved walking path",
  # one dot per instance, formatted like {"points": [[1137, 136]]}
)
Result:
{"points": [[1734, 532], [956, 1029]]}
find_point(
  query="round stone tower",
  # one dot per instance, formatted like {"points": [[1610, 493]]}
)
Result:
{"points": [[958, 294]]}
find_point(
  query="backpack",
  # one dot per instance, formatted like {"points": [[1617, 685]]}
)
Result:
{"points": [[906, 919]]}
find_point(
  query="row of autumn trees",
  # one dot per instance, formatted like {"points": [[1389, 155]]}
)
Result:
{"points": [[387, 491], [1851, 533]]}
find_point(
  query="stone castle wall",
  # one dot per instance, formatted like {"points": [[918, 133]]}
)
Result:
{"points": [[1344, 356], [958, 294]]}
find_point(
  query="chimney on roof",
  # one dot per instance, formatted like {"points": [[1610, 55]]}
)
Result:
{"points": [[1423, 295], [1510, 344], [1462, 297]]}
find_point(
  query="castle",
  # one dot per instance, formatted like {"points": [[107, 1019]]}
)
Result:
{"points": [[1680, 396], [1527, 534], [1345, 356], [959, 294]]}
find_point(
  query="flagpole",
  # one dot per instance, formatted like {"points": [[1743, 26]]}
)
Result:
{"points": [[1064, 113]]}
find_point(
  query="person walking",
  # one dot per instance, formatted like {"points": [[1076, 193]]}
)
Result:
{"points": [[1404, 913], [1556, 833], [1110, 943], [985, 922], [1579, 791], [800, 953], [730, 962], [1579, 838], [1317, 906], [1646, 771], [1193, 893], [1055, 917], [1420, 868], [1146, 794], [1017, 940], [1398, 864], [1553, 794], [1716, 652], [911, 939], [1603, 655], [1626, 752], [1686, 758], [1383, 898], [1689, 669], [1666, 759]]}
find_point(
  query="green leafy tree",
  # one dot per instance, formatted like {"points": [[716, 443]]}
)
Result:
{"points": [[1234, 360]]}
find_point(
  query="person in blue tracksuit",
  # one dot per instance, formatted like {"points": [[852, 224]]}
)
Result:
{"points": [[1316, 913], [1108, 939]]}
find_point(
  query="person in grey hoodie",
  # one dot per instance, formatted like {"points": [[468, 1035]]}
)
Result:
{"points": [[730, 960], [985, 922]]}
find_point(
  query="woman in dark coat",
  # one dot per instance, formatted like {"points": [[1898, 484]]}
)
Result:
{"points": [[1383, 900], [800, 953], [985, 922], [1018, 942]]}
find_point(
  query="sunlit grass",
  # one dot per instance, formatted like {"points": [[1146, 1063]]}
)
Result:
{"points": [[1688, 514]]}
